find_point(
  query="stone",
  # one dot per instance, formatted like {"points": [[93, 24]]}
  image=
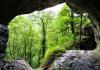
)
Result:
{"points": [[87, 42], [12, 8], [77, 60], [15, 65]]}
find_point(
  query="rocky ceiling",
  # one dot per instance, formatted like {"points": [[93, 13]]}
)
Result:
{"points": [[11, 8]]}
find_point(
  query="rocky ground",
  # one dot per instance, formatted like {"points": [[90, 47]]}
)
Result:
{"points": [[70, 60], [15, 65], [77, 60]]}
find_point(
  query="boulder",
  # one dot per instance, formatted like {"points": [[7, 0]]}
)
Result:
{"points": [[77, 60], [15, 65]]}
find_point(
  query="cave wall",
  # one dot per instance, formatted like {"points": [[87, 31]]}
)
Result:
{"points": [[10, 8]]}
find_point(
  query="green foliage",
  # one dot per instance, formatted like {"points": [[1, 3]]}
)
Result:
{"points": [[26, 35], [51, 55], [23, 41]]}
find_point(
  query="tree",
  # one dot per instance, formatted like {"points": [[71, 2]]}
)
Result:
{"points": [[22, 41], [43, 19]]}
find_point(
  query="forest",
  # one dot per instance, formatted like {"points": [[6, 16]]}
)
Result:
{"points": [[43, 36]]}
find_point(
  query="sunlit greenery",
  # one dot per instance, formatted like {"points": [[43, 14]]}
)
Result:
{"points": [[27, 41]]}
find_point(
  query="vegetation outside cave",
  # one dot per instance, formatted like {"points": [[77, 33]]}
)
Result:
{"points": [[43, 34]]}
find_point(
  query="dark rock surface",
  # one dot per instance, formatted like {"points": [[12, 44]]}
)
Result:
{"points": [[10, 8], [3, 40], [87, 42], [77, 60], [15, 65]]}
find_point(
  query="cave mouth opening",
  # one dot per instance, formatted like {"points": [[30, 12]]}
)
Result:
{"points": [[86, 43]]}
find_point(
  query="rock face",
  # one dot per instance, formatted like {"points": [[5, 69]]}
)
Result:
{"points": [[3, 39], [87, 42], [77, 60], [15, 65], [9, 9]]}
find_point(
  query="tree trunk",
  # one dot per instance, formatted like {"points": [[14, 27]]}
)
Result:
{"points": [[43, 39], [72, 24], [81, 26], [72, 28]]}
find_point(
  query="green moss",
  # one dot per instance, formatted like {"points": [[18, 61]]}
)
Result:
{"points": [[50, 56]]}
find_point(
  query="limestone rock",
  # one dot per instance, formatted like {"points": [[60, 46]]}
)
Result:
{"points": [[11, 8], [77, 60], [15, 65]]}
